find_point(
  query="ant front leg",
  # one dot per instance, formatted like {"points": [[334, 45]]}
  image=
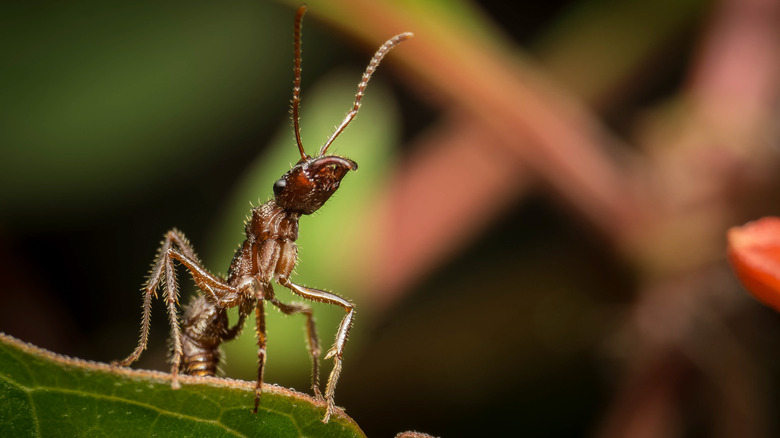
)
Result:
{"points": [[336, 352]]}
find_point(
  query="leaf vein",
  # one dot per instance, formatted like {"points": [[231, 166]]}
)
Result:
{"points": [[159, 410]]}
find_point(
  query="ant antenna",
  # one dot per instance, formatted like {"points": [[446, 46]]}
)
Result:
{"points": [[386, 47], [296, 99]]}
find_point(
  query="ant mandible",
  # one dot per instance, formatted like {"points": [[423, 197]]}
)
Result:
{"points": [[268, 253]]}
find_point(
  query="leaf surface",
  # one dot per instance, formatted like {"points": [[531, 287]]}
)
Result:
{"points": [[46, 394]]}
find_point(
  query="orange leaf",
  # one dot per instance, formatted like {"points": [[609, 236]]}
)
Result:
{"points": [[754, 253]]}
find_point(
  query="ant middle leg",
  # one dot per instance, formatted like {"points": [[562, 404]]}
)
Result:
{"points": [[311, 336], [261, 354], [337, 351]]}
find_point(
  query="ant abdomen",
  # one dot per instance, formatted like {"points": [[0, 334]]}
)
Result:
{"points": [[201, 364], [205, 328]]}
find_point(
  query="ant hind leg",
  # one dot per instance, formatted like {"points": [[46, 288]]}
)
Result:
{"points": [[175, 246]]}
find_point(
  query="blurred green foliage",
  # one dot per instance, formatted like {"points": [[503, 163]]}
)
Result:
{"points": [[98, 99]]}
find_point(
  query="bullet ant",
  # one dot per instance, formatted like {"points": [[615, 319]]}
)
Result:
{"points": [[268, 253]]}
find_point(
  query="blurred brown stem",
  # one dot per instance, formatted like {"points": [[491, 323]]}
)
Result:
{"points": [[666, 209]]}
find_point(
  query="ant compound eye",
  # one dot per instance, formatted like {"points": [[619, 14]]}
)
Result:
{"points": [[279, 185]]}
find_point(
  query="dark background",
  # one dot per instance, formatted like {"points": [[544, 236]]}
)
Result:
{"points": [[118, 123]]}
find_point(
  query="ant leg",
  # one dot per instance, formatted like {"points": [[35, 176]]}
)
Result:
{"points": [[145, 322], [236, 329], [150, 290], [175, 246], [261, 340], [311, 337], [163, 267], [216, 288], [172, 297], [246, 287], [336, 352], [181, 242]]}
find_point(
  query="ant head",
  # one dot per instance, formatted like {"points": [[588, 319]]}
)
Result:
{"points": [[311, 182]]}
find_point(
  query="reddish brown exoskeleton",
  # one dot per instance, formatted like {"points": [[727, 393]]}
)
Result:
{"points": [[268, 253]]}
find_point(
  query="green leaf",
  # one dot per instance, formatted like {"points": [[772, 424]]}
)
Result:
{"points": [[45, 394]]}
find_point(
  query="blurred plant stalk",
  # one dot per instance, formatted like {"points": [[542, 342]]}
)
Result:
{"points": [[503, 123], [700, 164], [522, 129]]}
